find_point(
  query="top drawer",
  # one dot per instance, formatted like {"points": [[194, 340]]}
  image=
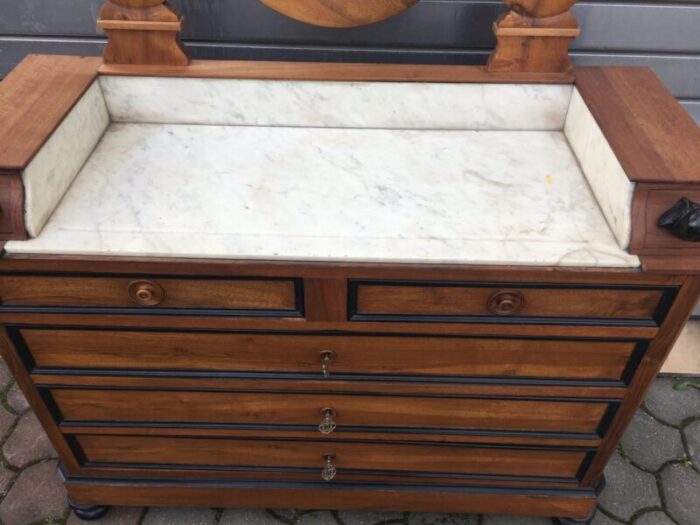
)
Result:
{"points": [[478, 302], [248, 296]]}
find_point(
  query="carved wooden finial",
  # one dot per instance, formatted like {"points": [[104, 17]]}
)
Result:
{"points": [[534, 36], [142, 32]]}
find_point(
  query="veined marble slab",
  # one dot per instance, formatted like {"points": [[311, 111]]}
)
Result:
{"points": [[400, 105], [491, 197], [610, 185], [52, 170]]}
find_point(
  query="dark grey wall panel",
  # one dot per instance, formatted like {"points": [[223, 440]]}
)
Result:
{"points": [[432, 24], [49, 17], [639, 27], [681, 73], [692, 107], [661, 34], [14, 49]]}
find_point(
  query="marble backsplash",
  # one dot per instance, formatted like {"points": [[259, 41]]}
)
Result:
{"points": [[392, 105]]}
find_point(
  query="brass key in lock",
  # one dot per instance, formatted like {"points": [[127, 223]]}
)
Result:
{"points": [[329, 471], [326, 357], [328, 424]]}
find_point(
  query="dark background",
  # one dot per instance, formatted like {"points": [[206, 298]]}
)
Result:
{"points": [[663, 34]]}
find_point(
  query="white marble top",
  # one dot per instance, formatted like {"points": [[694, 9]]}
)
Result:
{"points": [[302, 103], [492, 197]]}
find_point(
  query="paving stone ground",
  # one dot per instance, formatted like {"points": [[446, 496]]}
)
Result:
{"points": [[653, 479]]}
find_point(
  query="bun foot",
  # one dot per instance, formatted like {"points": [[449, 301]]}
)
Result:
{"points": [[598, 488], [89, 512], [570, 521]]}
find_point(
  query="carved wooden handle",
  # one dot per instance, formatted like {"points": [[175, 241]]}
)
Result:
{"points": [[146, 293], [683, 219], [506, 302]]}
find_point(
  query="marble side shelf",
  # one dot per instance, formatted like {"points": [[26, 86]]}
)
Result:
{"points": [[260, 192]]}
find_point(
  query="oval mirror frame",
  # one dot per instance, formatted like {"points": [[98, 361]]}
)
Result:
{"points": [[339, 13]]}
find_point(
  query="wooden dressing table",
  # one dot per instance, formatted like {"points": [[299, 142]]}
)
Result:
{"points": [[409, 287]]}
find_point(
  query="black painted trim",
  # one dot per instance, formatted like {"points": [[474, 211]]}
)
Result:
{"points": [[14, 331], [67, 425], [302, 428], [665, 304], [544, 399], [657, 318], [21, 348], [310, 470], [608, 418], [634, 362], [456, 446], [190, 312], [76, 449], [297, 312], [585, 465], [418, 380], [603, 425], [325, 440], [584, 492]]}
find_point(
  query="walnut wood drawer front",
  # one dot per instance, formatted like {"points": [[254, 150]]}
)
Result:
{"points": [[347, 412], [274, 296], [314, 455], [346, 356], [504, 302]]}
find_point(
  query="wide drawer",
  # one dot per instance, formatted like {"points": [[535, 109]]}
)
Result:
{"points": [[345, 355], [457, 301], [281, 296], [315, 455], [346, 412]]}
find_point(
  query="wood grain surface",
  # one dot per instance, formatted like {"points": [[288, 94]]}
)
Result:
{"points": [[34, 100], [339, 13], [218, 453], [386, 355], [260, 408], [653, 137]]}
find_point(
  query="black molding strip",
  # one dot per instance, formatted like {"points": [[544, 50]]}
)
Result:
{"points": [[297, 312], [135, 482], [662, 309], [301, 428], [367, 378], [14, 333], [282, 391], [312, 470], [69, 426], [602, 428]]}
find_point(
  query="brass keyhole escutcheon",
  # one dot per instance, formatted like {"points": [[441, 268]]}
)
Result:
{"points": [[146, 293], [328, 424], [326, 357], [329, 471], [506, 302]]}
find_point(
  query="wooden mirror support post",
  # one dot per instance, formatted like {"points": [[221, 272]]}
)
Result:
{"points": [[142, 32], [534, 37]]}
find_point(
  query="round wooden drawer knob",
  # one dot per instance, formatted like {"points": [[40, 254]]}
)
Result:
{"points": [[507, 302], [146, 293]]}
